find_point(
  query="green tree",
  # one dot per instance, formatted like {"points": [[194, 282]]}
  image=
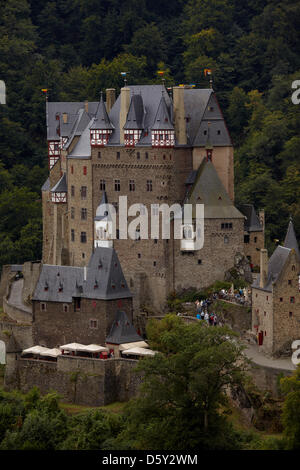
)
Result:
{"points": [[183, 390]]}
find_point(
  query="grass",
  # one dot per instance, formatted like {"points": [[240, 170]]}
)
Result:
{"points": [[69, 408]]}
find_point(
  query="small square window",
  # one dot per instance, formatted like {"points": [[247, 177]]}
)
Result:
{"points": [[99, 154], [281, 299], [139, 255], [290, 314], [118, 155], [83, 237], [154, 263], [199, 261], [43, 306]]}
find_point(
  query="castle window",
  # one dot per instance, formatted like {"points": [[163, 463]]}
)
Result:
{"points": [[149, 185], [139, 255], [72, 191], [72, 212], [84, 170], [83, 214], [267, 297], [226, 239], [93, 324], [255, 239], [138, 155], [83, 255], [155, 240], [199, 261], [117, 185], [292, 300], [118, 155], [65, 308], [72, 235], [43, 306], [154, 263], [246, 238], [281, 299], [205, 132], [265, 333], [77, 304], [131, 282], [219, 132], [102, 185], [289, 282], [293, 268], [99, 154], [131, 185], [290, 314], [146, 156], [83, 192], [72, 169], [83, 237]]}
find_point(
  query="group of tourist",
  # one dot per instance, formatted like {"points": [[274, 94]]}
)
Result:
{"points": [[203, 314]]}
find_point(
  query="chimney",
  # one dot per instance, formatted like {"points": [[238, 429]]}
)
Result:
{"points": [[110, 98], [263, 268], [179, 115], [124, 107], [65, 118], [86, 106]]}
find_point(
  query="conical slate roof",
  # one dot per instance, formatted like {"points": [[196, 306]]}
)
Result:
{"points": [[209, 190], [61, 185], [102, 120], [162, 118], [135, 116], [290, 240], [252, 223], [122, 330]]}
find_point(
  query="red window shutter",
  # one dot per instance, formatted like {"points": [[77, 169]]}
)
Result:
{"points": [[84, 170]]}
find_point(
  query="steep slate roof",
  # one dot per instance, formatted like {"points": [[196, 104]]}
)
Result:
{"points": [[46, 185], [61, 186], [252, 223], [104, 280], [102, 120], [162, 119], [72, 109], [208, 190], [290, 240], [122, 330], [275, 266], [83, 147], [135, 116]]}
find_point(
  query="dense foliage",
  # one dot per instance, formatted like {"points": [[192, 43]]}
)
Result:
{"points": [[77, 48]]}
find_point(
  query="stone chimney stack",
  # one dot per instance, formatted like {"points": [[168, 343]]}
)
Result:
{"points": [[86, 106], [261, 216], [110, 98], [179, 115], [263, 268], [124, 107]]}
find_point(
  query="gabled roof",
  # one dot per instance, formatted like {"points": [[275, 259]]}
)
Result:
{"points": [[275, 266], [72, 109], [102, 120], [104, 280], [252, 223], [61, 186], [209, 190], [290, 240], [83, 147], [162, 119], [135, 116], [46, 185], [122, 330]]}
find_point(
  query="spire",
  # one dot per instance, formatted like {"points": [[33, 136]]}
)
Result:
{"points": [[135, 116], [290, 240], [102, 120], [162, 119]]}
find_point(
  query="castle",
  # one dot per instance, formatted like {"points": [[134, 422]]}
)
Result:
{"points": [[154, 149]]}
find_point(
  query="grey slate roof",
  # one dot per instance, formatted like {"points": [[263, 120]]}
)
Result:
{"points": [[135, 116], [275, 266], [58, 108], [61, 186], [290, 240], [122, 330], [102, 120], [208, 190], [162, 119], [252, 223], [104, 280], [46, 185], [83, 147]]}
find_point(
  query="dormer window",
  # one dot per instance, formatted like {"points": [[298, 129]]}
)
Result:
{"points": [[100, 137], [163, 138], [131, 137]]}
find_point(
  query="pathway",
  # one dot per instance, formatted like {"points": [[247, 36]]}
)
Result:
{"points": [[260, 359], [15, 297]]}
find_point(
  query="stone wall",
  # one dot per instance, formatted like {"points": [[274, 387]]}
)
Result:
{"points": [[31, 272], [262, 317], [22, 334], [54, 326], [6, 277], [16, 313], [267, 378], [84, 381], [252, 249]]}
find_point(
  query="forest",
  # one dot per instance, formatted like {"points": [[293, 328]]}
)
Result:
{"points": [[76, 49]]}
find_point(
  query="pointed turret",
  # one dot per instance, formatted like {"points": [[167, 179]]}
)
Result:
{"points": [[134, 124], [290, 240], [101, 127], [163, 129]]}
